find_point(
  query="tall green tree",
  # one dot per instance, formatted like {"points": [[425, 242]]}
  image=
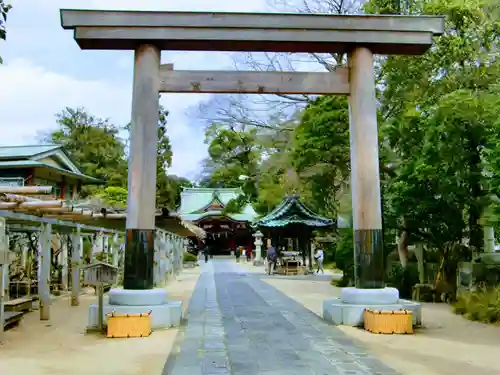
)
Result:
{"points": [[4, 9], [165, 191], [320, 152], [436, 124], [93, 144], [232, 154]]}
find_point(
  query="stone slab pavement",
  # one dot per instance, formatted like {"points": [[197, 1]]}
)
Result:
{"points": [[237, 324]]}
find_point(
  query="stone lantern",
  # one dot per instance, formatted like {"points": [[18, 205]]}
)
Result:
{"points": [[258, 248]]}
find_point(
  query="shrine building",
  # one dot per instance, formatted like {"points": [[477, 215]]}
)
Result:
{"points": [[224, 231]]}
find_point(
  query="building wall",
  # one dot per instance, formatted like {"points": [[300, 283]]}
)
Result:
{"points": [[63, 187]]}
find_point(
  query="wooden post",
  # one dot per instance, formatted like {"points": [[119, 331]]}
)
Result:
{"points": [[24, 256], [184, 247], [100, 307], [141, 202], [163, 257], [156, 268], [116, 249], [29, 261], [6, 272], [3, 247], [419, 253], [44, 242], [180, 242], [76, 261], [64, 261], [365, 179], [307, 243]]}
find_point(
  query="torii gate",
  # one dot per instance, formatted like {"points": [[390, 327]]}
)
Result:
{"points": [[147, 33]]}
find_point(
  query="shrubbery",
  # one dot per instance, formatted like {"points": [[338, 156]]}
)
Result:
{"points": [[482, 305], [188, 257], [403, 279], [344, 257]]}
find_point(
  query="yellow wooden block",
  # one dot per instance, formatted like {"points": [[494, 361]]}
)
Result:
{"points": [[399, 321], [129, 325]]}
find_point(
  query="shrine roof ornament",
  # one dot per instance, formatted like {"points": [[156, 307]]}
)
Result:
{"points": [[202, 203], [292, 211]]}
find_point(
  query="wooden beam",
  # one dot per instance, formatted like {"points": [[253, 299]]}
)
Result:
{"points": [[22, 217], [251, 32], [31, 205], [254, 40], [224, 82], [71, 18], [28, 190]]}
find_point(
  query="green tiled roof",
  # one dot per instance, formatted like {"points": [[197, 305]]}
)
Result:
{"points": [[31, 156], [25, 152], [193, 200], [292, 211], [38, 164]]}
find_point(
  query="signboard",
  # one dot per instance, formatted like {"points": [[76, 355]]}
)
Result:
{"points": [[11, 181]]}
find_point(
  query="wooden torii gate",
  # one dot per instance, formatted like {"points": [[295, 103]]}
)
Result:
{"points": [[147, 33]]}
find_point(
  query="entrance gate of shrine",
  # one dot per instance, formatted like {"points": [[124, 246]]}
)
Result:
{"points": [[147, 33]]}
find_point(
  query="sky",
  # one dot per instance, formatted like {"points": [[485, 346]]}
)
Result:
{"points": [[44, 71]]}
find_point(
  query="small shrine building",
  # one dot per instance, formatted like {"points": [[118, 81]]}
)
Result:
{"points": [[224, 231]]}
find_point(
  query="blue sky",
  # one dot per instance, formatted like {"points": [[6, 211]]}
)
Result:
{"points": [[45, 71]]}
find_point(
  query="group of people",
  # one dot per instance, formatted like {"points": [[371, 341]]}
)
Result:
{"points": [[242, 252], [272, 258]]}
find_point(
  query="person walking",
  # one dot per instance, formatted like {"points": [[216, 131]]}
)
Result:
{"points": [[271, 259], [319, 256], [206, 252], [237, 253]]}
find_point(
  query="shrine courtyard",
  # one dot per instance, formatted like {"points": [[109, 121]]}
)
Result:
{"points": [[240, 321]]}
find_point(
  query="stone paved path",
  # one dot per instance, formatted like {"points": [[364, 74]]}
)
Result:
{"points": [[239, 325]]}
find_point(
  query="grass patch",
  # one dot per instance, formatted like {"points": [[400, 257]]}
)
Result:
{"points": [[482, 305]]}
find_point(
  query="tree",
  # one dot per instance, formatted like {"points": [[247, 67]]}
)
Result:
{"points": [[165, 195], [4, 9], [115, 196], [320, 152], [435, 123], [93, 144], [176, 184], [233, 153]]}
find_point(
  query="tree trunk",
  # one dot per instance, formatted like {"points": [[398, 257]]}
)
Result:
{"points": [[403, 245]]}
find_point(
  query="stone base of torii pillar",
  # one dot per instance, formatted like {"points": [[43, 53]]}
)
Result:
{"points": [[164, 313], [349, 308]]}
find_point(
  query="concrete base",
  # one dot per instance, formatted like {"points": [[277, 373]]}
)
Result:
{"points": [[259, 262], [130, 297], [162, 316], [164, 313], [350, 307]]}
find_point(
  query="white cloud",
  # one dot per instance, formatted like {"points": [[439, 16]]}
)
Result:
{"points": [[31, 95], [44, 72]]}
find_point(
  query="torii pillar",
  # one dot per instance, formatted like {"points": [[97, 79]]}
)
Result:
{"points": [[141, 202], [365, 175]]}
